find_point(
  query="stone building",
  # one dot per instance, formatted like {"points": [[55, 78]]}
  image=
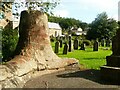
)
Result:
{"points": [[78, 31], [54, 29]]}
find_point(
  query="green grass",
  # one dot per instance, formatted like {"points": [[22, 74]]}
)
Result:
{"points": [[89, 58]]}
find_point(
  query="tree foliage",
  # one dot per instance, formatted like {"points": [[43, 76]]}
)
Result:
{"points": [[102, 27], [67, 23]]}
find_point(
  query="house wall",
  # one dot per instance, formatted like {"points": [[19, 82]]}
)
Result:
{"points": [[55, 32]]}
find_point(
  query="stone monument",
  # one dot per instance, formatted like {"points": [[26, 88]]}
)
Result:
{"points": [[76, 44], [57, 47], [70, 44], [111, 71], [65, 50], [95, 46]]}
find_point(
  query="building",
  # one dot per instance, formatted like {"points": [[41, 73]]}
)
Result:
{"points": [[54, 29], [78, 31]]}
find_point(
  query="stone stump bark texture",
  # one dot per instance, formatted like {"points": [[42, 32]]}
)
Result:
{"points": [[33, 51]]}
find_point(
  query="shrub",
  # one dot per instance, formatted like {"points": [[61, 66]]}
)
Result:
{"points": [[9, 42], [87, 42]]}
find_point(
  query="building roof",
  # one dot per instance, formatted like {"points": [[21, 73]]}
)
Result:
{"points": [[54, 25]]}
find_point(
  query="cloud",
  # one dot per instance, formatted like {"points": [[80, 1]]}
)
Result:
{"points": [[106, 5], [62, 13]]}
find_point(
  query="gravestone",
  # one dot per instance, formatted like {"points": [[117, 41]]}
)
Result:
{"points": [[70, 44], [65, 50], [56, 47], [82, 46], [107, 43], [76, 44], [111, 71], [95, 46], [61, 43], [102, 42]]}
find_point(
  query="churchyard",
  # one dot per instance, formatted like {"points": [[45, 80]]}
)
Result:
{"points": [[89, 58], [31, 53]]}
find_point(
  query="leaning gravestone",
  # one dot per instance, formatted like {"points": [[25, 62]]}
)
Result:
{"points": [[111, 71], [33, 52], [56, 47], [70, 44], [76, 44], [65, 50], [95, 46]]}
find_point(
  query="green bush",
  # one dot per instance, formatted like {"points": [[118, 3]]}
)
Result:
{"points": [[87, 42], [52, 39], [9, 42]]}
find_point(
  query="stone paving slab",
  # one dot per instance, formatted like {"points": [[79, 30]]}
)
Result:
{"points": [[70, 79]]}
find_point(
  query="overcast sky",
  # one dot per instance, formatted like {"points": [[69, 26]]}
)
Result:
{"points": [[87, 10]]}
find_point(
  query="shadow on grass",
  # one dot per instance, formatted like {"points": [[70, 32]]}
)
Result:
{"points": [[91, 74], [93, 58]]}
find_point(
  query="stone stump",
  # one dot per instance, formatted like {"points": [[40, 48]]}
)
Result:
{"points": [[95, 46], [76, 44], [57, 47], [111, 71], [70, 44], [33, 52], [65, 50]]}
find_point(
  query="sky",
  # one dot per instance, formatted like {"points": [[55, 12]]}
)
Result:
{"points": [[86, 10]]}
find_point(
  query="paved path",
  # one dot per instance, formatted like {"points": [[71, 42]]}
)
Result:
{"points": [[70, 79]]}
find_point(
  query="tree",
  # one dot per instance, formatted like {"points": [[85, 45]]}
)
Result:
{"points": [[102, 27]]}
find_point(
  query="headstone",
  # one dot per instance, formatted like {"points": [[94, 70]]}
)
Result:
{"points": [[65, 50], [107, 43], [70, 44], [56, 47], [95, 46], [102, 42], [111, 71], [76, 44], [60, 43], [82, 46]]}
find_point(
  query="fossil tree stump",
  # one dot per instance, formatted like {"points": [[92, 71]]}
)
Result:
{"points": [[33, 51]]}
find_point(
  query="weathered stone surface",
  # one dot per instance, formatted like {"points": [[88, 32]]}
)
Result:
{"points": [[61, 63], [32, 53], [5, 72]]}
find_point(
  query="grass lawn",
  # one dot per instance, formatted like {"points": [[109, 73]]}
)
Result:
{"points": [[89, 58]]}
